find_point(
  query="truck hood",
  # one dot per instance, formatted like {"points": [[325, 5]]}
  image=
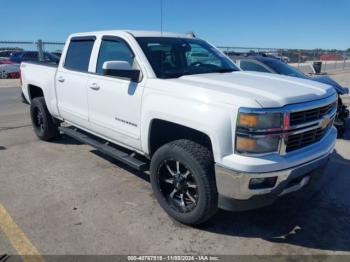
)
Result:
{"points": [[268, 90]]}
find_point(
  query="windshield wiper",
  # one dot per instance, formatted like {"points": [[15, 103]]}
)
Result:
{"points": [[222, 70]]}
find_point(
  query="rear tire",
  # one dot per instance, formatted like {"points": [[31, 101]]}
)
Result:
{"points": [[183, 181], [45, 126]]}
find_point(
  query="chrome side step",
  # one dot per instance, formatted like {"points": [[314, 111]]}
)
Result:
{"points": [[113, 152]]}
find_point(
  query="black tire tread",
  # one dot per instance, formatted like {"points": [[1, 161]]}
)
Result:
{"points": [[204, 157], [51, 131]]}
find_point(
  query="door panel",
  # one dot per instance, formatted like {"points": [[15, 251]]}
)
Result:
{"points": [[71, 81], [114, 108], [115, 103], [72, 96]]}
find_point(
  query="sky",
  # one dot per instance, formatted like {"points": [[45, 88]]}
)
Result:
{"points": [[239, 23]]}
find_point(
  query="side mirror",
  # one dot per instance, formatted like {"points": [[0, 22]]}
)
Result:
{"points": [[120, 69]]}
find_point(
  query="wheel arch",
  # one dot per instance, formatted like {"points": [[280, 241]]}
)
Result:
{"points": [[162, 132], [35, 91], [201, 116]]}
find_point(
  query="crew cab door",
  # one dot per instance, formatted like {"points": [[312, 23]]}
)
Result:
{"points": [[71, 80], [115, 103]]}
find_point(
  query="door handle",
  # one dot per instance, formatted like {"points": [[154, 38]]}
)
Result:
{"points": [[61, 79], [95, 86]]}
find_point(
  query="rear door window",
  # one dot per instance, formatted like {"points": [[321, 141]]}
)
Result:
{"points": [[78, 54]]}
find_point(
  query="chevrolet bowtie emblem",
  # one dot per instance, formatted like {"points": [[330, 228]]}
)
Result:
{"points": [[325, 121]]}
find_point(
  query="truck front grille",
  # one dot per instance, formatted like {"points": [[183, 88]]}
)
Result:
{"points": [[297, 141], [303, 125], [303, 117]]}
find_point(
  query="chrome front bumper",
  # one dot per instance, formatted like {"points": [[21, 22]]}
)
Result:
{"points": [[235, 194]]}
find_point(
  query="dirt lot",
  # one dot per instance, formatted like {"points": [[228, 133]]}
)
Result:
{"points": [[66, 198]]}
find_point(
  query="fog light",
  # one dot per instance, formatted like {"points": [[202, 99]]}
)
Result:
{"points": [[262, 182]]}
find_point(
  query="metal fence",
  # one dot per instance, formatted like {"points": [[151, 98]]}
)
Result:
{"points": [[300, 58], [42, 47]]}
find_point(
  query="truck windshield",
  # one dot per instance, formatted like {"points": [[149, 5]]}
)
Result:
{"points": [[174, 57]]}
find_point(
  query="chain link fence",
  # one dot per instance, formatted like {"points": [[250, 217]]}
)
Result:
{"points": [[37, 48], [302, 59]]}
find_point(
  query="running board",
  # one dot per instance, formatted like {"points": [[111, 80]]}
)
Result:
{"points": [[121, 156]]}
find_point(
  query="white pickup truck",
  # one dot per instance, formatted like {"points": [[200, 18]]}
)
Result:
{"points": [[211, 136]]}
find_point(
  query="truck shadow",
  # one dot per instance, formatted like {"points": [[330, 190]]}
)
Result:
{"points": [[65, 140], [320, 221]]}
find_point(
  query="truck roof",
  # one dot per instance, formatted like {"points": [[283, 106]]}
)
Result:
{"points": [[135, 33]]}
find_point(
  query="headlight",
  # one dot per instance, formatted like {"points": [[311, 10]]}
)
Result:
{"points": [[257, 145], [259, 120], [254, 133]]}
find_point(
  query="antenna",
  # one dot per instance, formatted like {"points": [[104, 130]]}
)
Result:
{"points": [[161, 17]]}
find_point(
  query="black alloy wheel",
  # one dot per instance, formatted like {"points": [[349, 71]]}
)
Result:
{"points": [[183, 181], [178, 186]]}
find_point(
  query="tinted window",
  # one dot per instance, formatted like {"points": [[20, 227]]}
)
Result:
{"points": [[78, 55], [113, 50], [252, 66]]}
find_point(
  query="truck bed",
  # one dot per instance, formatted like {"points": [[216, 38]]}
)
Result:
{"points": [[40, 74], [42, 63]]}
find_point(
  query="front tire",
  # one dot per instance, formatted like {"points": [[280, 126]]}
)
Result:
{"points": [[45, 127], [182, 178]]}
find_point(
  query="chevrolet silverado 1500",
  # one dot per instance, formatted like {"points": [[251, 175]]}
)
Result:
{"points": [[211, 136]]}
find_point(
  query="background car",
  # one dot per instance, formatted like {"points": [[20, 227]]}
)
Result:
{"points": [[57, 53], [19, 57], [5, 55], [263, 63], [284, 59], [9, 69]]}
